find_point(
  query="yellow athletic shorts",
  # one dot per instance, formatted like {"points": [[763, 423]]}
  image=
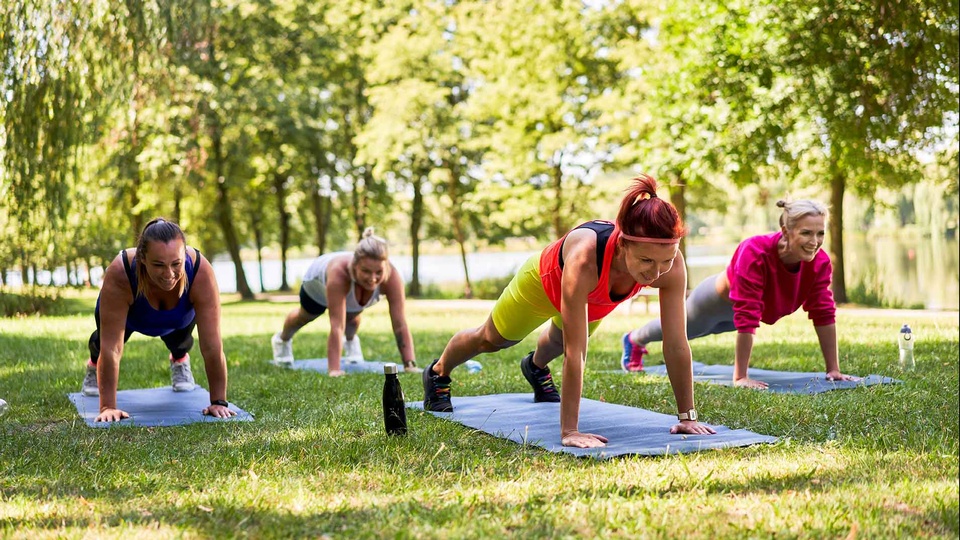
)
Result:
{"points": [[523, 306]]}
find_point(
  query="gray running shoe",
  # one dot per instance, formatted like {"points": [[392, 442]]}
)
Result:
{"points": [[90, 387], [181, 377], [351, 350]]}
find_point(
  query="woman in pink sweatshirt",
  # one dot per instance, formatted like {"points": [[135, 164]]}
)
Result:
{"points": [[770, 276]]}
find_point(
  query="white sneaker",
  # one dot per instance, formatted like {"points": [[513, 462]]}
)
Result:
{"points": [[282, 350], [181, 376], [351, 350], [90, 387]]}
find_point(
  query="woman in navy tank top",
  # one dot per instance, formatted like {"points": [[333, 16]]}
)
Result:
{"points": [[161, 288]]}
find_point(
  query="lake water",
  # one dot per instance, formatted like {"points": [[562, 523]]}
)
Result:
{"points": [[921, 272], [912, 272]]}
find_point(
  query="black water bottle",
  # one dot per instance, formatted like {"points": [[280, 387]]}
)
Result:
{"points": [[394, 412]]}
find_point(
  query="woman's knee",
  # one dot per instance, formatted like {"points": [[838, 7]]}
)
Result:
{"points": [[491, 340]]}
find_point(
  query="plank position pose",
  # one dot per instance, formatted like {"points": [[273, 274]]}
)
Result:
{"points": [[770, 276], [347, 283], [161, 288], [575, 282]]}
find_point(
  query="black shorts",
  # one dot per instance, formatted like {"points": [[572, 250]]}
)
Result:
{"points": [[310, 305]]}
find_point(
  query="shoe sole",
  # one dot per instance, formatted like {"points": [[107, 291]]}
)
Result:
{"points": [[90, 394]]}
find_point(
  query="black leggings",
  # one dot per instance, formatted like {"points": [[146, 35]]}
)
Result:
{"points": [[179, 342]]}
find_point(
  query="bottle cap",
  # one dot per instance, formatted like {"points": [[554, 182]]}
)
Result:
{"points": [[389, 369], [905, 329]]}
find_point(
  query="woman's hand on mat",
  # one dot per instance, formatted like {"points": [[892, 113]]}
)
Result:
{"points": [[111, 415], [747, 382], [337, 373], [692, 428], [583, 440], [835, 375], [218, 411]]}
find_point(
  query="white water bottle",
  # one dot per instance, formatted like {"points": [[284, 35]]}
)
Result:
{"points": [[3, 407], [907, 362], [473, 366]]}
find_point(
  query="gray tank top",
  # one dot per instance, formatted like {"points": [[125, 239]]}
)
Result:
{"points": [[315, 284]]}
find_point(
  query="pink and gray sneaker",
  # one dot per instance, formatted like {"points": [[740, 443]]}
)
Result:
{"points": [[632, 359]]}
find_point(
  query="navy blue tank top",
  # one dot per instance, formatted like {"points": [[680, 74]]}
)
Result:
{"points": [[143, 318]]}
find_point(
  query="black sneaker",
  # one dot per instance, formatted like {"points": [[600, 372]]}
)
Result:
{"points": [[436, 391], [544, 391]]}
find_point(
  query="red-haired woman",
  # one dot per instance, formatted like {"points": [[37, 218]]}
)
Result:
{"points": [[162, 289], [575, 282]]}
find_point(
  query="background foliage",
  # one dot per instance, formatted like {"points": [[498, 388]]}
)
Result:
{"points": [[285, 126]]}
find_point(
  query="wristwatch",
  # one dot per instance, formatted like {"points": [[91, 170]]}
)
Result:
{"points": [[689, 415]]}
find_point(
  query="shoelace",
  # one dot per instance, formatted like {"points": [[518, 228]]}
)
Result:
{"points": [[545, 380], [181, 371], [441, 390]]}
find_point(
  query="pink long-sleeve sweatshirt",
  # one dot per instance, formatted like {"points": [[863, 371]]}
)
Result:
{"points": [[763, 289]]}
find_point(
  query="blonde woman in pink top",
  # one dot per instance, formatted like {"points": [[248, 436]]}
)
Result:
{"points": [[770, 276]]}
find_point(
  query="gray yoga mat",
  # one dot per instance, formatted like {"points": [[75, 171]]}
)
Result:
{"points": [[320, 365], [782, 382], [155, 407], [630, 430]]}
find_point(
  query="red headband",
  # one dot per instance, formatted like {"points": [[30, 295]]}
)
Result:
{"points": [[649, 239]]}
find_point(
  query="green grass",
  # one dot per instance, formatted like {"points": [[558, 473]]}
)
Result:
{"points": [[316, 461]]}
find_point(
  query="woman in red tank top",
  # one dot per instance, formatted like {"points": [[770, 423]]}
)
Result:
{"points": [[575, 282]]}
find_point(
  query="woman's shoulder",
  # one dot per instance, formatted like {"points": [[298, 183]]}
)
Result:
{"points": [[761, 241], [193, 254], [580, 248], [822, 260], [117, 262], [582, 237]]}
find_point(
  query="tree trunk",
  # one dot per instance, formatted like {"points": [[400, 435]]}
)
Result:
{"points": [[456, 213], [678, 196], [321, 215], [416, 219], [559, 225], [223, 209], [224, 213], [177, 202], [837, 188], [258, 240], [88, 281], [279, 184], [359, 201]]}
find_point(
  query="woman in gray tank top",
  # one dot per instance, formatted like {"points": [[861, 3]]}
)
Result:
{"points": [[345, 284]]}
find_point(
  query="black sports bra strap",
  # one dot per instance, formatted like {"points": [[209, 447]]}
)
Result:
{"points": [[131, 277], [604, 230], [196, 264]]}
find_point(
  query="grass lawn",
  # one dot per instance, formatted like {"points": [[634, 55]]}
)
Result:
{"points": [[878, 462]]}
